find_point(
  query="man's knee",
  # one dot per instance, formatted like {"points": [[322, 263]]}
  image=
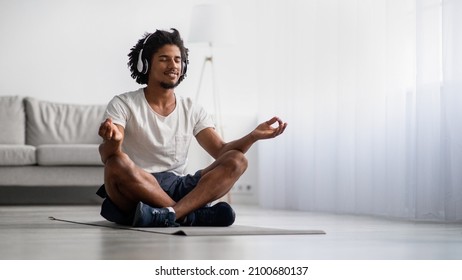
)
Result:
{"points": [[118, 180], [236, 161], [118, 164]]}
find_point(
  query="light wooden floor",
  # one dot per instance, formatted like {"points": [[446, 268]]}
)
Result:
{"points": [[27, 233]]}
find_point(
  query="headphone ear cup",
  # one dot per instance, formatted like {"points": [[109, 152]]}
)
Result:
{"points": [[140, 65], [145, 66], [184, 68]]}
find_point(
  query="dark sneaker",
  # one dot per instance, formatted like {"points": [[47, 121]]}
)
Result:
{"points": [[147, 216], [218, 215]]}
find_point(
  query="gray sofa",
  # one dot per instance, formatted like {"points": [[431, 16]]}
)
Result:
{"points": [[49, 152]]}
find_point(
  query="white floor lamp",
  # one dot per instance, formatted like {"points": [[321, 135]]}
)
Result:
{"points": [[212, 24]]}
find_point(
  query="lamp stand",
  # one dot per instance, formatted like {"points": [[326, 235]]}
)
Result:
{"points": [[215, 93]]}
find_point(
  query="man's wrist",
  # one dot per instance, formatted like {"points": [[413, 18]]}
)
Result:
{"points": [[253, 137]]}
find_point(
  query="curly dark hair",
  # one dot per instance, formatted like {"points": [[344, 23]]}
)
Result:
{"points": [[155, 41]]}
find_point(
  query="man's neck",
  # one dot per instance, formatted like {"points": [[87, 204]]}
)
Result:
{"points": [[158, 95], [161, 100]]}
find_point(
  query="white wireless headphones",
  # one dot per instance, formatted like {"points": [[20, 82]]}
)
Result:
{"points": [[142, 65]]}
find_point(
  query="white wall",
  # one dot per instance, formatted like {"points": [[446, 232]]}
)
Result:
{"points": [[76, 52]]}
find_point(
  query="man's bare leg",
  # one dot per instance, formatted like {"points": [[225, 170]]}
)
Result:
{"points": [[216, 180], [127, 184]]}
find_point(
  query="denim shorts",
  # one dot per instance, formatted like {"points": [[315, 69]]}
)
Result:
{"points": [[175, 186]]}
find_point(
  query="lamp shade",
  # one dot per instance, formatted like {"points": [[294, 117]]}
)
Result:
{"points": [[212, 23]]}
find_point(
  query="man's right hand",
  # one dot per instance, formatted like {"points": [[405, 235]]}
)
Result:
{"points": [[109, 131]]}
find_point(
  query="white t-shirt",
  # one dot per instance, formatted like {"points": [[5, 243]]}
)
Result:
{"points": [[154, 142]]}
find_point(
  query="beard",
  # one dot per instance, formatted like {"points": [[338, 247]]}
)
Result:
{"points": [[169, 85]]}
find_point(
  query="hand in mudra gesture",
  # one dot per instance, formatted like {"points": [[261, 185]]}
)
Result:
{"points": [[109, 131], [267, 130]]}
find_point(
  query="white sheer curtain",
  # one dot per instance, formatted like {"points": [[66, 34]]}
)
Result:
{"points": [[372, 91]]}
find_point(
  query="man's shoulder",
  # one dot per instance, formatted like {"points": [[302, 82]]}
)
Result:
{"points": [[185, 101], [130, 95]]}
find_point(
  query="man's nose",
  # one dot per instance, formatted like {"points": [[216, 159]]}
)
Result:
{"points": [[172, 63]]}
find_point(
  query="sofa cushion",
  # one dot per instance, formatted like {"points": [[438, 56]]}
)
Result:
{"points": [[14, 155], [70, 154], [56, 123], [12, 120]]}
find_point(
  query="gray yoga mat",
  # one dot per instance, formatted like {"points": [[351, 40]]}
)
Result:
{"points": [[199, 231]]}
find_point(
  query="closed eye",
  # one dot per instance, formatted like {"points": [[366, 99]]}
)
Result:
{"points": [[164, 58]]}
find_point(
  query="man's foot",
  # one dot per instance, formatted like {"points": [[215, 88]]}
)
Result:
{"points": [[147, 216], [218, 215]]}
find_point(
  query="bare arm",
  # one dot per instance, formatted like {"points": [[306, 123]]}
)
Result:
{"points": [[113, 136], [215, 146]]}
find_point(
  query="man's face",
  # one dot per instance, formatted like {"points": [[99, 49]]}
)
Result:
{"points": [[166, 67]]}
